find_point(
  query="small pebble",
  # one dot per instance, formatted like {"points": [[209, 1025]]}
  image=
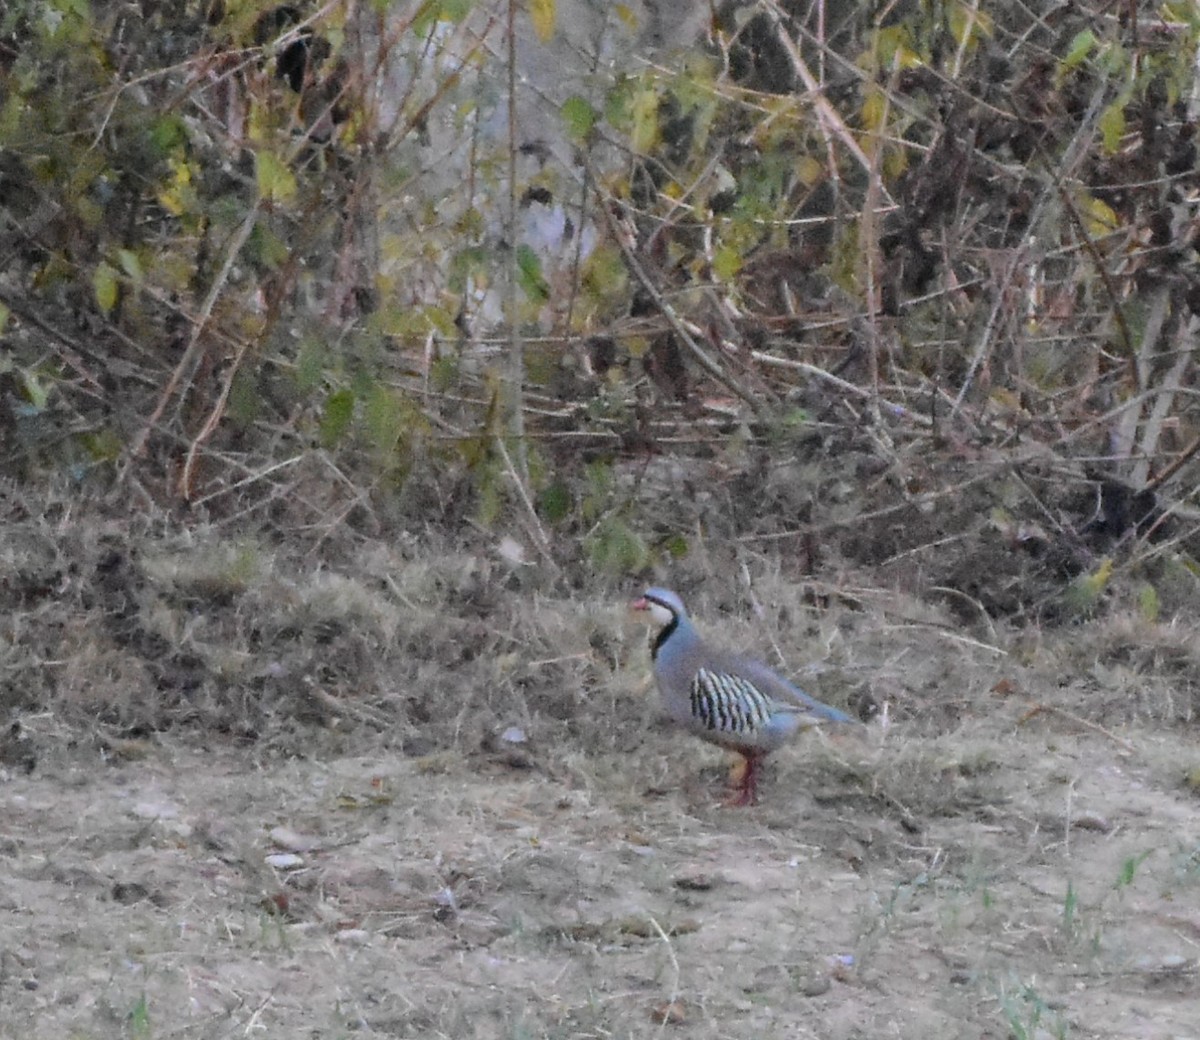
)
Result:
{"points": [[354, 937]]}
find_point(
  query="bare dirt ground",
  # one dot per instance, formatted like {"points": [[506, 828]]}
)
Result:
{"points": [[1011, 850]]}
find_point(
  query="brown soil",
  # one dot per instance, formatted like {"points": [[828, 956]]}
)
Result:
{"points": [[1010, 848]]}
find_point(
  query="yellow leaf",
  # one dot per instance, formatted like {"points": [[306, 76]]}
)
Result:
{"points": [[893, 49], [627, 15], [36, 392], [726, 263], [968, 24], [644, 134], [174, 196], [1083, 594], [1112, 125], [874, 107], [1099, 217], [895, 162], [275, 180], [809, 171], [104, 284], [543, 13]]}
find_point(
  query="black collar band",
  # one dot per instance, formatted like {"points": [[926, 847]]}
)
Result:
{"points": [[663, 636]]}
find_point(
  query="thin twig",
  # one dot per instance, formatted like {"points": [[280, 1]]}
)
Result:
{"points": [[516, 346], [677, 325], [828, 117], [1171, 384], [898, 410], [191, 355], [540, 539], [674, 965], [1075, 154], [1053, 709]]}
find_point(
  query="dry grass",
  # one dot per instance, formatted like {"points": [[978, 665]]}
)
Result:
{"points": [[1007, 849]]}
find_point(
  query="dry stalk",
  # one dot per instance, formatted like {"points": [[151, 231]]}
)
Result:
{"points": [[69, 349], [1074, 154], [245, 482], [516, 345], [215, 415], [1176, 465], [674, 966], [663, 306], [833, 525], [829, 119], [185, 370], [540, 539], [1037, 708], [1124, 437], [897, 410], [1172, 384], [1114, 299]]}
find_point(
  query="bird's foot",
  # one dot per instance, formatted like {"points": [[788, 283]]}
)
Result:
{"points": [[744, 779], [739, 798]]}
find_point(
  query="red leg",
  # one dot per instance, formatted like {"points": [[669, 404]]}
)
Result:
{"points": [[747, 785]]}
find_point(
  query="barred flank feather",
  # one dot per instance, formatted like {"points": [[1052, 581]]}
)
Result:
{"points": [[728, 703]]}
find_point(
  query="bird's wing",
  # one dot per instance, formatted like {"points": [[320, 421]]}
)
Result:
{"points": [[789, 696]]}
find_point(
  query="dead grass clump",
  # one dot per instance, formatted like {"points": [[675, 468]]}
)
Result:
{"points": [[954, 775], [1123, 668], [139, 627]]}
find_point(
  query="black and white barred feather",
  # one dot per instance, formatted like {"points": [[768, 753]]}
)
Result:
{"points": [[729, 704]]}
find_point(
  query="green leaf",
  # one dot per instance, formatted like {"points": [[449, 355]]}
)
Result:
{"points": [[1112, 126], [616, 548], [529, 275], [604, 272], [383, 419], [267, 247], [1070, 903], [579, 117], [456, 10], [105, 286], [555, 502], [139, 1020], [443, 373], [103, 445], [726, 263], [677, 546], [168, 133], [463, 265], [1148, 604], [245, 398], [36, 392], [489, 490], [1081, 46], [4, 313], [1129, 869], [275, 181], [339, 412], [310, 363], [130, 264]]}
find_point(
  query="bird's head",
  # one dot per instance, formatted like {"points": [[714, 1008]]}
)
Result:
{"points": [[659, 607]]}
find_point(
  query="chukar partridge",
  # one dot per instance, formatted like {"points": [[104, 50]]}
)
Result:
{"points": [[723, 698]]}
